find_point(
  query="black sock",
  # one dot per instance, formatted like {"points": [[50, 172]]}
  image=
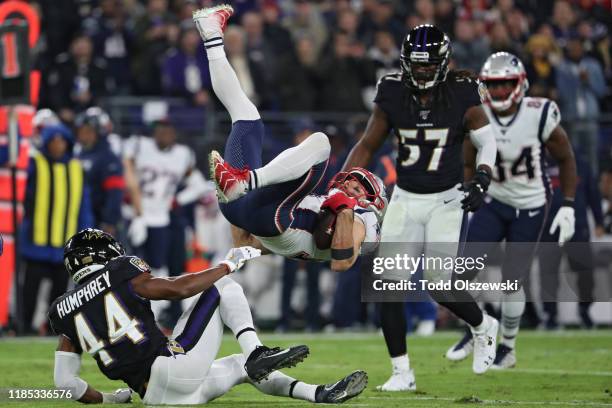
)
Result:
{"points": [[461, 303], [393, 323]]}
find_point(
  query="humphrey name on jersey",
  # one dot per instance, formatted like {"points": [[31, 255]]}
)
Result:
{"points": [[85, 294]]}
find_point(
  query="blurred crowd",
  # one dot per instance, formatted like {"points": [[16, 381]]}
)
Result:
{"points": [[290, 56], [305, 55]]}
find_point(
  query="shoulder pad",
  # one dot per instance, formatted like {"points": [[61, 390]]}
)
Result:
{"points": [[394, 77], [126, 267]]}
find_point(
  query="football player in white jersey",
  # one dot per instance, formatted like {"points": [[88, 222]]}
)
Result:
{"points": [[516, 209], [270, 206], [154, 167]]}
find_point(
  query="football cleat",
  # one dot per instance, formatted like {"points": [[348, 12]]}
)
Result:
{"points": [[460, 350], [504, 358], [345, 389], [231, 183], [211, 22], [400, 380], [484, 346], [264, 360]]}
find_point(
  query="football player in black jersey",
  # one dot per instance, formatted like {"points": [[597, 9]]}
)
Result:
{"points": [[443, 132], [108, 315]]}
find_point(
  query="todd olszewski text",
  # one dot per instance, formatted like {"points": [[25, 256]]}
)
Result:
{"points": [[458, 284], [86, 293]]}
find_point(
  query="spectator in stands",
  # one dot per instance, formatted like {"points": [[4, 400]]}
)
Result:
{"points": [[499, 39], [103, 168], [343, 75], [348, 23], [155, 31], [59, 21], [384, 55], [445, 16], [112, 37], [580, 83], [185, 69], [578, 250], [425, 9], [307, 21], [518, 27], [277, 36], [76, 80], [297, 78], [469, 51], [260, 52], [541, 51], [57, 205], [563, 21], [382, 18]]}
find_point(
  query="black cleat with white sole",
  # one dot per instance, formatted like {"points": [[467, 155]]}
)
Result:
{"points": [[264, 360], [345, 389]]}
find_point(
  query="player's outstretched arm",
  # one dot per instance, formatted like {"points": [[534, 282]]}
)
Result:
{"points": [[346, 242], [182, 287], [375, 134], [66, 377]]}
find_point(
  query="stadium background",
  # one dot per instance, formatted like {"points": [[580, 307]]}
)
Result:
{"points": [[308, 65]]}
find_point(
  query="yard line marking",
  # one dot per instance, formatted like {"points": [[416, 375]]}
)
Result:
{"points": [[559, 372], [500, 402]]}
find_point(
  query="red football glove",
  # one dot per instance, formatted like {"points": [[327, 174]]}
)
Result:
{"points": [[338, 202]]}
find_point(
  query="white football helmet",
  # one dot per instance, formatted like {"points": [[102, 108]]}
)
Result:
{"points": [[375, 198], [503, 66]]}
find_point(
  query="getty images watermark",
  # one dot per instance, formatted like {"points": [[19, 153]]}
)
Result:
{"points": [[406, 265]]}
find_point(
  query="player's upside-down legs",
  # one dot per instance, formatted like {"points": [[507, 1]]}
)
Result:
{"points": [[249, 192]]}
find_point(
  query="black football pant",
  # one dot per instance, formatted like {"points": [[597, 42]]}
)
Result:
{"points": [[34, 272]]}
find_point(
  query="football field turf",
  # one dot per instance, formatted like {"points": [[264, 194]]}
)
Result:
{"points": [[564, 369]]}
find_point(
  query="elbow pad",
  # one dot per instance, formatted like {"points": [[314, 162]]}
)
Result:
{"points": [[484, 140], [66, 374]]}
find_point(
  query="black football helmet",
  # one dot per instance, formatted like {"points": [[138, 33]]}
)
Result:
{"points": [[96, 118], [89, 247], [425, 56]]}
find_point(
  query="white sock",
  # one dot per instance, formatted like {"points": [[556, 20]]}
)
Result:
{"points": [[248, 341], [400, 363], [280, 384], [512, 308], [236, 314], [227, 87], [295, 161], [303, 391]]}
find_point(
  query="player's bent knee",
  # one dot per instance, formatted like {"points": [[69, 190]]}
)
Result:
{"points": [[228, 285], [321, 145]]}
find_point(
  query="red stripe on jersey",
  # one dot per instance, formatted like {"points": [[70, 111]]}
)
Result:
{"points": [[113, 182]]}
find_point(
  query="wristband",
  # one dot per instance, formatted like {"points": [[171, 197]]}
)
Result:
{"points": [[342, 254], [568, 202]]}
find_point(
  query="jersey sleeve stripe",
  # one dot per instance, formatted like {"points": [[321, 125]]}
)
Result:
{"points": [[543, 121]]}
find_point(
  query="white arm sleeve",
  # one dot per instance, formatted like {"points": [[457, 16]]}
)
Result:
{"points": [[195, 187], [484, 140], [66, 373]]}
